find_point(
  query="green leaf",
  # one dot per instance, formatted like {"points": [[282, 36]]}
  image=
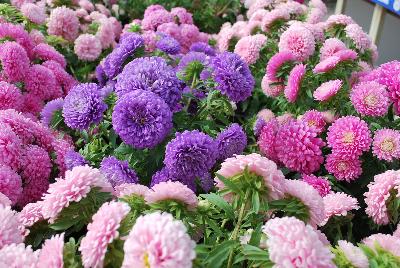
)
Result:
{"points": [[70, 258], [255, 200], [221, 203], [230, 185], [219, 254]]}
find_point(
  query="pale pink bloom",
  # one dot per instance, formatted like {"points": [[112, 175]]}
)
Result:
{"points": [[30, 214], [103, 10], [257, 5], [327, 90], [4, 200], [353, 254], [359, 37], [284, 118], [370, 98], [158, 240], [266, 115], [239, 27], [18, 256], [315, 15], [129, 189], [270, 89], [338, 204], [258, 16], [326, 65], [318, 4], [81, 13], [293, 7], [87, 5], [276, 62], [387, 242], [37, 36], [272, 17], [51, 254], [10, 229], [298, 40], [340, 19], [330, 47], [225, 37], [63, 22], [329, 116], [106, 33], [248, 48], [87, 47], [293, 86], [34, 13], [386, 144]]}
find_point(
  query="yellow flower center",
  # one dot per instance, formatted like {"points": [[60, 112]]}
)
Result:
{"points": [[146, 260], [348, 137], [342, 166], [387, 145], [371, 100], [312, 123]]}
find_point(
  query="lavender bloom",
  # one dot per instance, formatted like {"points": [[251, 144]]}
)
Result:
{"points": [[231, 141], [100, 75], [203, 47], [83, 106], [168, 45], [128, 44], [160, 176], [192, 57], [117, 172], [233, 76], [207, 182], [73, 159], [107, 89], [49, 109], [190, 155], [151, 74], [142, 119], [258, 125]]}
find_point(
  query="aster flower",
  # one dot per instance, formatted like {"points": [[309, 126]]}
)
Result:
{"points": [[42, 83], [87, 47], [370, 98], [30, 214], [326, 65], [63, 22], [257, 165], [10, 96], [156, 18], [267, 138], [268, 20], [157, 239], [50, 109], [51, 254], [386, 144], [290, 241], [293, 7], [129, 189], [354, 255], [346, 54], [284, 118], [203, 47], [338, 20], [338, 204], [10, 183], [18, 34], [294, 82], [379, 192], [249, 47], [73, 159], [76, 185], [315, 15], [298, 40], [117, 172], [194, 61], [10, 232], [319, 183], [387, 242], [83, 106], [168, 45], [298, 147], [63, 78], [343, 167], [271, 88], [17, 255], [101, 232], [10, 148], [231, 141], [182, 14], [34, 13], [327, 90], [142, 119], [361, 39], [349, 135], [233, 76], [276, 62], [315, 119], [330, 47], [14, 61]]}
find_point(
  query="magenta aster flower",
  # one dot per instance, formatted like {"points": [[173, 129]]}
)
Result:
{"points": [[128, 189], [17, 255], [370, 98], [387, 242], [18, 34], [14, 61], [353, 254], [10, 96], [299, 148], [87, 47], [346, 54], [276, 62], [279, 14], [42, 83], [10, 183], [343, 167], [386, 144], [338, 204], [359, 37], [267, 138], [51, 254], [291, 243], [284, 118], [378, 194], [294, 82], [349, 135], [327, 90], [318, 183], [46, 52], [326, 65], [63, 22], [330, 47], [10, 232], [248, 47], [10, 148], [298, 40], [315, 119], [270, 88], [102, 231]]}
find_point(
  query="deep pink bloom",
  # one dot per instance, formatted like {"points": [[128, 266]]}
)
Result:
{"points": [[18, 34], [63, 78], [10, 183], [266, 140], [51, 254], [9, 227], [319, 183], [276, 62], [294, 82], [270, 88], [46, 52], [10, 148], [87, 47], [330, 47], [14, 61], [298, 40], [128, 189], [338, 204], [327, 90], [386, 144], [326, 65], [370, 98], [315, 119], [34, 13], [346, 54], [248, 48], [343, 167], [387, 74], [353, 254], [32, 104], [359, 37], [10, 96], [63, 22], [387, 242], [41, 82]]}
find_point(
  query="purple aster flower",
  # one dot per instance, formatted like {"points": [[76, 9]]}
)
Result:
{"points": [[192, 58], [233, 76], [117, 172], [101, 75], [160, 176], [190, 155], [151, 74], [231, 141], [83, 106], [108, 88], [142, 119], [258, 125], [168, 45], [49, 109], [73, 159], [127, 45], [207, 182], [203, 47]]}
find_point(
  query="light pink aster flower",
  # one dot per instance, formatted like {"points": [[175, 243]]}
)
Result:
{"points": [[294, 82], [182, 14], [318, 4], [284, 118], [309, 197], [158, 240], [34, 13], [329, 116], [319, 183], [77, 184], [378, 193], [30, 214], [14, 61], [258, 165], [343, 167], [353, 254], [51, 254], [327, 90], [266, 115], [102, 231], [257, 5], [293, 7], [298, 40], [10, 183], [87, 5], [105, 33], [387, 242], [258, 16], [359, 37], [276, 62], [37, 36], [315, 119], [338, 204], [315, 15], [128, 189], [339, 19], [155, 19], [397, 232], [172, 190], [10, 231], [63, 22], [326, 65], [346, 55], [266, 140], [4, 200], [272, 17], [87, 47], [291, 243], [270, 88], [248, 48], [18, 256], [370, 98], [386, 144], [330, 47]]}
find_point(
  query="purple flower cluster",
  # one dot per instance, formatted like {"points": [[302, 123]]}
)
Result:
{"points": [[117, 172], [168, 44], [49, 109], [231, 141], [203, 47], [73, 159]]}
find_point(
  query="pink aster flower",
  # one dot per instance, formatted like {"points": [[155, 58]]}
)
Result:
{"points": [[34, 13], [309, 197], [339, 19], [293, 7], [266, 115], [378, 194], [318, 183], [327, 90], [294, 82], [258, 165], [370, 98], [172, 190], [10, 96], [284, 118], [63, 22], [9, 227], [46, 52], [128, 189], [30, 214], [257, 5], [150, 9], [329, 116], [276, 62], [386, 144], [150, 40], [102, 231], [103, 10], [343, 167], [37, 37], [266, 140], [155, 19], [158, 240], [326, 65], [87, 47], [32, 104], [63, 78], [272, 17], [315, 119], [19, 256], [77, 184], [338, 204], [346, 54], [105, 34], [359, 37], [291, 243], [270, 88], [315, 15], [387, 242], [51, 254], [298, 40], [182, 14], [14, 61], [41, 82], [349, 135], [4, 200], [248, 48], [258, 15], [10, 148], [17, 33], [10, 183], [318, 4], [353, 254], [330, 47]]}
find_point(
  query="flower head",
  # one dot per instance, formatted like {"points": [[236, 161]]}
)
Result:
{"points": [[267, 139], [203, 47], [30, 214], [249, 47], [9, 227], [387, 242], [353, 254], [359, 37], [10, 183], [338, 204], [271, 88], [338, 20], [156, 18], [294, 82], [370, 98], [51, 254], [74, 159], [319, 183], [327, 90], [87, 47], [326, 64], [386, 144], [330, 47], [17, 255], [231, 141], [182, 14], [315, 119], [49, 109], [117, 172], [10, 96], [10, 148], [298, 40], [168, 45], [270, 18], [276, 62], [128, 189], [63, 22], [343, 167], [14, 61]]}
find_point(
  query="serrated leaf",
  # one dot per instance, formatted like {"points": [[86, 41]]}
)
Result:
{"points": [[219, 254], [230, 185]]}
